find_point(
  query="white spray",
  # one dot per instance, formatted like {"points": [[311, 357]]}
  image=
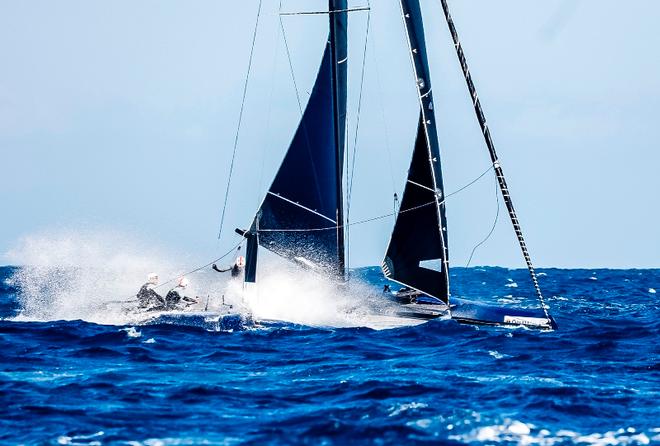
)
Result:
{"points": [[68, 275]]}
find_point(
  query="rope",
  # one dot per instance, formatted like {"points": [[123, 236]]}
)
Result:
{"points": [[472, 182], [204, 266], [300, 107], [355, 140], [268, 121], [189, 272], [386, 134], [360, 8], [288, 55], [240, 120], [380, 217], [368, 220], [492, 229]]}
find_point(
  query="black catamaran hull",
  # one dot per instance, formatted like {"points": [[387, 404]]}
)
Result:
{"points": [[468, 312], [420, 306], [208, 320]]}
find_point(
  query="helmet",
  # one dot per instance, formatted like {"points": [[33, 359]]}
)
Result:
{"points": [[152, 278], [183, 282]]}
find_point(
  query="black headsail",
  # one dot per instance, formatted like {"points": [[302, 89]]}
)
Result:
{"points": [[301, 217], [417, 255]]}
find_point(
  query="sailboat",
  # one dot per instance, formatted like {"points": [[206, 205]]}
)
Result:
{"points": [[301, 217]]}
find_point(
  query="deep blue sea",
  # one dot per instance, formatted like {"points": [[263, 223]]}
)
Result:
{"points": [[594, 381]]}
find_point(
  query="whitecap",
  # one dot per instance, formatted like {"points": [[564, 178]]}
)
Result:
{"points": [[76, 439], [513, 431], [424, 423], [566, 433], [652, 290], [519, 428], [131, 332], [495, 354], [404, 407], [641, 438]]}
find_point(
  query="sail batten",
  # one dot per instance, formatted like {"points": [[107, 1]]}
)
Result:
{"points": [[303, 207]]}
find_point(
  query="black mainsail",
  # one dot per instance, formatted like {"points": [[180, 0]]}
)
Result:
{"points": [[301, 217], [417, 255]]}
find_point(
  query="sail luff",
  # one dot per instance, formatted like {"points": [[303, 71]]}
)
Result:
{"points": [[499, 173]]}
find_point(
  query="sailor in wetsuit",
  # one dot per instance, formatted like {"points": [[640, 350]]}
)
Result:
{"points": [[236, 269], [175, 296], [148, 298]]}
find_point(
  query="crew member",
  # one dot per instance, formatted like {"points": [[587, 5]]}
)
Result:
{"points": [[236, 269], [175, 296], [148, 298]]}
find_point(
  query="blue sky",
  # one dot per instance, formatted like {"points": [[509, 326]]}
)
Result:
{"points": [[121, 115]]}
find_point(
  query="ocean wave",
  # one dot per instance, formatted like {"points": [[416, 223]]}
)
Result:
{"points": [[325, 379]]}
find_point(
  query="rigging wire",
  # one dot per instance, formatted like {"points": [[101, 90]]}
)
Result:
{"points": [[288, 55], [359, 108], [499, 174], [380, 217], [360, 222], [240, 120], [355, 141], [191, 271], [356, 9], [204, 266], [295, 86], [473, 181], [383, 114], [268, 118]]}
